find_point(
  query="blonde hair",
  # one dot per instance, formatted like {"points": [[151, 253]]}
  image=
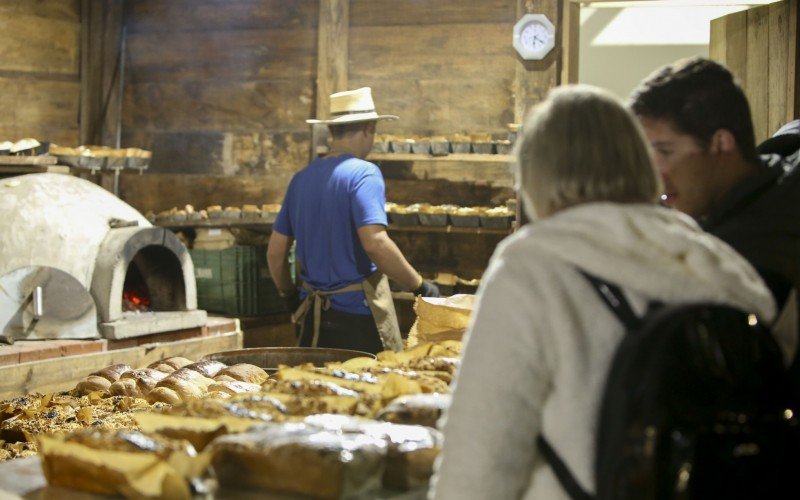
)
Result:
{"points": [[582, 145]]}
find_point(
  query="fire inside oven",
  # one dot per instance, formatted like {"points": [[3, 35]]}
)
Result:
{"points": [[153, 282]]}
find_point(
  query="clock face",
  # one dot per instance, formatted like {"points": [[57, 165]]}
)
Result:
{"points": [[534, 36]]}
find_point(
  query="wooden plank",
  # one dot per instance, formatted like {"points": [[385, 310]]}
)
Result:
{"points": [[570, 42], [153, 16], [778, 63], [758, 56], [248, 153], [461, 52], [229, 106], [332, 46], [440, 191], [533, 79], [456, 157], [33, 169], [24, 351], [65, 10], [495, 174], [159, 192], [793, 69], [736, 45], [34, 43], [262, 54], [440, 107], [63, 373], [718, 42], [28, 160], [448, 230], [38, 104], [438, 12]]}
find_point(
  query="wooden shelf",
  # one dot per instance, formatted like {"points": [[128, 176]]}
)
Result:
{"points": [[256, 224], [449, 229], [462, 157], [6, 170]]}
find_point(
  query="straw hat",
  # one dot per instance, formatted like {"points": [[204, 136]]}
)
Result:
{"points": [[353, 106]]}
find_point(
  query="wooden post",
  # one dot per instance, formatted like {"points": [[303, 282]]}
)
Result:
{"points": [[101, 23], [533, 79], [332, 59], [570, 41]]}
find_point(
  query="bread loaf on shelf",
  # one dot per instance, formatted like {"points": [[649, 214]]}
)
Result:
{"points": [[112, 372], [246, 373], [90, 384], [206, 367]]}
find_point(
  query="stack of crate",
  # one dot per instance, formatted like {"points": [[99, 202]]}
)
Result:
{"points": [[235, 281]]}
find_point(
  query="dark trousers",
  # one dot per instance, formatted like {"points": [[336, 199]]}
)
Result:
{"points": [[341, 330]]}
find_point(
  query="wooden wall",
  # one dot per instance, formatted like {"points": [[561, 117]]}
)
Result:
{"points": [[221, 89], [760, 46], [39, 70]]}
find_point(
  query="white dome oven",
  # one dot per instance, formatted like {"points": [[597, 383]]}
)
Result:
{"points": [[77, 262]]}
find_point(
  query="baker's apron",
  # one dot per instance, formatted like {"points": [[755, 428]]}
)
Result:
{"points": [[379, 300]]}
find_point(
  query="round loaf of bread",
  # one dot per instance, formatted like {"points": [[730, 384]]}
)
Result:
{"points": [[192, 377], [162, 367], [163, 395], [112, 373], [246, 373], [207, 367], [90, 384], [235, 387], [217, 395], [146, 378], [173, 362], [185, 389], [125, 387]]}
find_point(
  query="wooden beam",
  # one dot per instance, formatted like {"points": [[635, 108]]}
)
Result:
{"points": [[570, 42], [793, 71], [332, 61], [533, 79], [101, 22]]}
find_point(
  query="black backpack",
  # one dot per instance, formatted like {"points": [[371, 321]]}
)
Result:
{"points": [[697, 405]]}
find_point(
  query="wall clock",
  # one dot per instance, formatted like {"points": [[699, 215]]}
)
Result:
{"points": [[534, 36]]}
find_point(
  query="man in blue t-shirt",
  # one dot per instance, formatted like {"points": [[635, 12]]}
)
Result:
{"points": [[334, 210]]}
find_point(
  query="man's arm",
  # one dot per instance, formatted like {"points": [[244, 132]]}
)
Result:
{"points": [[389, 259], [278, 262]]}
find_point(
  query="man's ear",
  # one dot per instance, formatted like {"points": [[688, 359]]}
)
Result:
{"points": [[723, 142]]}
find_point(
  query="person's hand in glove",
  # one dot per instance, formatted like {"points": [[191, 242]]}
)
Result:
{"points": [[426, 288]]}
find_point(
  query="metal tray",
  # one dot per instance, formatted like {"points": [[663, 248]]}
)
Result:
{"points": [[269, 358]]}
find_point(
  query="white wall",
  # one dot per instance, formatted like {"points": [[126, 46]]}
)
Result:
{"points": [[621, 46]]}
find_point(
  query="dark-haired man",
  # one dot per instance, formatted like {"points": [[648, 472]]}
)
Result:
{"points": [[334, 210], [698, 122]]}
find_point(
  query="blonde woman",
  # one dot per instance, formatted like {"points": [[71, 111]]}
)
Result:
{"points": [[541, 342]]}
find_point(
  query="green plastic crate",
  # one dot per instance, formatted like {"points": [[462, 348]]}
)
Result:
{"points": [[235, 281]]}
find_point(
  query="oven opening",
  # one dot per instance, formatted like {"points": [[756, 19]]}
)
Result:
{"points": [[135, 296], [154, 282]]}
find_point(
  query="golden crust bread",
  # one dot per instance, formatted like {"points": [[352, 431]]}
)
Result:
{"points": [[246, 373], [111, 373], [92, 383], [206, 367]]}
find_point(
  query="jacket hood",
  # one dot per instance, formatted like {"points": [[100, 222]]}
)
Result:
{"points": [[655, 251]]}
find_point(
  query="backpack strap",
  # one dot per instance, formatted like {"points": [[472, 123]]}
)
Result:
{"points": [[613, 297], [565, 477]]}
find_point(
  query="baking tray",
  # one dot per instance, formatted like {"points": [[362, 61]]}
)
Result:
{"points": [[465, 220], [269, 358], [432, 219], [503, 222], [405, 219]]}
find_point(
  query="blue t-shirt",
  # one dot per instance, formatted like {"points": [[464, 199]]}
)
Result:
{"points": [[325, 204]]}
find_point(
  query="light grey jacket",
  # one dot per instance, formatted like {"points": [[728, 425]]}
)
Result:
{"points": [[541, 341]]}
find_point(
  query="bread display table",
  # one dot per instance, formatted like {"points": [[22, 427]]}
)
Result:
{"points": [[23, 478], [62, 373]]}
